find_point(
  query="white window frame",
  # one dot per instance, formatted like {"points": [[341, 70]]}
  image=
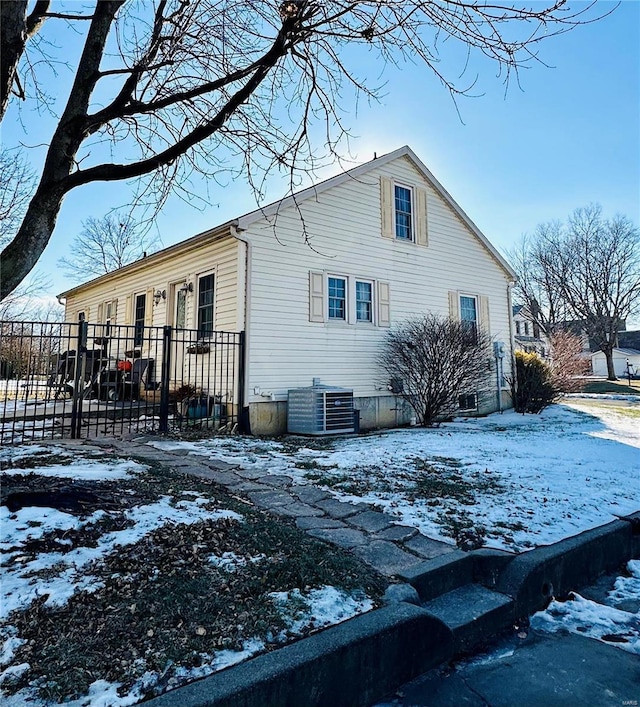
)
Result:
{"points": [[371, 283], [476, 299], [347, 299], [135, 321], [412, 195], [196, 307]]}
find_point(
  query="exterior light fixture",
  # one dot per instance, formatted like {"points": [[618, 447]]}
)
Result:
{"points": [[158, 295], [187, 287]]}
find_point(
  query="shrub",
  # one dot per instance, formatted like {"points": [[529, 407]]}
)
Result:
{"points": [[534, 388], [431, 361]]}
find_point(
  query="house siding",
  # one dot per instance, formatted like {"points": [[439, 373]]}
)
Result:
{"points": [[220, 256], [345, 238]]}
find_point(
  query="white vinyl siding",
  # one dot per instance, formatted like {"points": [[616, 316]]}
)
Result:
{"points": [[159, 273], [291, 339]]}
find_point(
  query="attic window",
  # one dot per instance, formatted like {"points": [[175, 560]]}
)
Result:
{"points": [[404, 213]]}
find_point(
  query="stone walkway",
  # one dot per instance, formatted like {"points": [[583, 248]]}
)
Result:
{"points": [[371, 535]]}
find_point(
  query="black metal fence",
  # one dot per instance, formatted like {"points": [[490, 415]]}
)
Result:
{"points": [[87, 380]]}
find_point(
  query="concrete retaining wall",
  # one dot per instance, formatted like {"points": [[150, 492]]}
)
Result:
{"points": [[349, 665]]}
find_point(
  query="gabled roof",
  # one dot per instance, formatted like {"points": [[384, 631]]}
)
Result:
{"points": [[317, 189], [624, 352], [242, 222]]}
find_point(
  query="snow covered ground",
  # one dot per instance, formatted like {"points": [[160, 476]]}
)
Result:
{"points": [[606, 622], [53, 576], [518, 480]]}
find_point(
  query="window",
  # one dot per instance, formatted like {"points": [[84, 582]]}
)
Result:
{"points": [[468, 401], [364, 301], [337, 298], [403, 213], [181, 309], [138, 319], [81, 316], [205, 305], [517, 327], [108, 316], [526, 328], [469, 313]]}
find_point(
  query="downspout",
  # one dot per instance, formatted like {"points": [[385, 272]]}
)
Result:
{"points": [[235, 231], [512, 342]]}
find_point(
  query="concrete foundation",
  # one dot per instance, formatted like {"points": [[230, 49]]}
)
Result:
{"points": [[269, 418]]}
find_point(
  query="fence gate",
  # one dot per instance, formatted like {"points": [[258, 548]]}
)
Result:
{"points": [[84, 380]]}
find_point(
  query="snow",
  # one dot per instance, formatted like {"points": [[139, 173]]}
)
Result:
{"points": [[231, 562], [534, 479], [64, 572], [59, 574], [318, 608], [599, 621], [627, 587]]}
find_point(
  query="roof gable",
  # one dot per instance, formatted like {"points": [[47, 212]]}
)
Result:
{"points": [[314, 191]]}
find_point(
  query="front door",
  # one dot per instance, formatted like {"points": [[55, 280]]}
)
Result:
{"points": [[178, 309]]}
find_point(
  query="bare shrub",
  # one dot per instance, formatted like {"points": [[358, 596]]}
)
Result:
{"points": [[568, 364], [431, 361]]}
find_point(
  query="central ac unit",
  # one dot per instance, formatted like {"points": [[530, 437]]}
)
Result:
{"points": [[320, 410]]}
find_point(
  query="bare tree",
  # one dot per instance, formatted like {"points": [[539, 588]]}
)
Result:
{"points": [[536, 286], [168, 86], [589, 271], [106, 244], [568, 363], [17, 182], [431, 361]]}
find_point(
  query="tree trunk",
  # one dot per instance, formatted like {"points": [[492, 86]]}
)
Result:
{"points": [[611, 374], [22, 254], [13, 35]]}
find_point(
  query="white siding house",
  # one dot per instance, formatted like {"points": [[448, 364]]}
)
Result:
{"points": [[316, 281], [625, 362]]}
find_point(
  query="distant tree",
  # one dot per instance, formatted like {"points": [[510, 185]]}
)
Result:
{"points": [[106, 244], [165, 87], [586, 270], [431, 361], [17, 181], [568, 363]]}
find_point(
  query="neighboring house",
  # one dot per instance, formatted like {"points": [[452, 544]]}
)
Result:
{"points": [[385, 241], [527, 335], [625, 361], [629, 339]]}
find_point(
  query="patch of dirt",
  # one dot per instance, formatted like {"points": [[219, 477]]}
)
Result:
{"points": [[161, 604]]}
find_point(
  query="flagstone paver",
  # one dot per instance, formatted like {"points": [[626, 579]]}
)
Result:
{"points": [[385, 556], [338, 509], [371, 521], [397, 533], [372, 535], [427, 547], [344, 537], [309, 523]]}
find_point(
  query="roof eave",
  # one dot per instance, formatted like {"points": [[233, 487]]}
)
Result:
{"points": [[225, 229]]}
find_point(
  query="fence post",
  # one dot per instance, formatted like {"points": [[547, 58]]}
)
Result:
{"points": [[78, 379], [164, 379], [243, 416]]}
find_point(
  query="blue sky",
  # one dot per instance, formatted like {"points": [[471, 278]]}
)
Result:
{"points": [[567, 136]]}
